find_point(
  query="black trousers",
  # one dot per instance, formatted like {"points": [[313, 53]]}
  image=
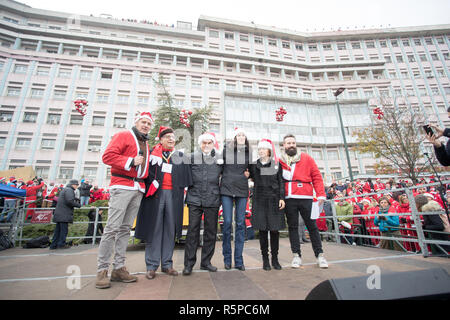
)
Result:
{"points": [[193, 235], [264, 242], [293, 207]]}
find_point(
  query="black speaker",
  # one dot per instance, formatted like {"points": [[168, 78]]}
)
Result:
{"points": [[421, 284]]}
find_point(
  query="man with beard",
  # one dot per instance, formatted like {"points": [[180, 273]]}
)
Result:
{"points": [[301, 176]]}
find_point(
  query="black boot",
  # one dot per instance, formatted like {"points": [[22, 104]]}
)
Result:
{"points": [[264, 244], [274, 245]]}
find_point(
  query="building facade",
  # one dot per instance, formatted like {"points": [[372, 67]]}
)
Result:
{"points": [[245, 71]]}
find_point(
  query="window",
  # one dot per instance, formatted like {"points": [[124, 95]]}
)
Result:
{"points": [[65, 173], [71, 145], [286, 45], [6, 116], [383, 44], [243, 37], [356, 45], [317, 154], [312, 47], [90, 172], [42, 172], [122, 98], [341, 46], [98, 121], [423, 57], [64, 73], [23, 143], [76, 119], [388, 59], [85, 74], [440, 40], [370, 44], [258, 40], [48, 143], [143, 100], [20, 68], [37, 93], [53, 118], [102, 97], [428, 41], [434, 57], [213, 33], [59, 94], [326, 46], [394, 43], [333, 155], [119, 122], [13, 91], [405, 42], [94, 146], [399, 59], [229, 35], [30, 117], [299, 46], [417, 42], [106, 75], [411, 58], [42, 71], [272, 42]]}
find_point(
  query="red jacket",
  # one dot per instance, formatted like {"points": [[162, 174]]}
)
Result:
{"points": [[32, 191], [119, 154], [301, 177]]}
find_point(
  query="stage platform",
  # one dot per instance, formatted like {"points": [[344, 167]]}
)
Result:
{"points": [[45, 274]]}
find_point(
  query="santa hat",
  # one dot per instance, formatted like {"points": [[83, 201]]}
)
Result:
{"points": [[238, 131], [428, 195], [143, 115], [12, 179], [365, 200], [2, 179], [209, 136], [268, 144], [163, 131], [29, 182]]}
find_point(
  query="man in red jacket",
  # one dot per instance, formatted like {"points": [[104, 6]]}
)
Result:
{"points": [[128, 156], [33, 186], [301, 177]]}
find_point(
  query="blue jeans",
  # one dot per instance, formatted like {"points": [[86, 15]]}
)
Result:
{"points": [[60, 235], [8, 207], [227, 205], [84, 201]]}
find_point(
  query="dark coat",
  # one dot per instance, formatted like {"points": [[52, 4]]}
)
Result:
{"points": [[90, 229], [206, 171], [443, 152], [66, 203], [236, 162], [181, 178], [85, 189], [267, 193]]}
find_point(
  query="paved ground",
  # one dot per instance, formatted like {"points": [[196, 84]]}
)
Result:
{"points": [[44, 274]]}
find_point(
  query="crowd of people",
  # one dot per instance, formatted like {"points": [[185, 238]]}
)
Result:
{"points": [[348, 200], [40, 194]]}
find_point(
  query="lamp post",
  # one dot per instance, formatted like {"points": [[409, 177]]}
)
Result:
{"points": [[349, 165]]}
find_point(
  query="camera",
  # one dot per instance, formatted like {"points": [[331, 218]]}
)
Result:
{"points": [[428, 130]]}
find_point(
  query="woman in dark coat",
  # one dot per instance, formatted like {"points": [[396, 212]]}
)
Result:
{"points": [[64, 214], [268, 201], [234, 188]]}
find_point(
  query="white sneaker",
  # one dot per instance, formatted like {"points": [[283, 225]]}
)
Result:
{"points": [[354, 244], [296, 261], [322, 262]]}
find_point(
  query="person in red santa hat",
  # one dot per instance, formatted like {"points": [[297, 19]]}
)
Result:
{"points": [[32, 188], [301, 176], [128, 155], [160, 215]]}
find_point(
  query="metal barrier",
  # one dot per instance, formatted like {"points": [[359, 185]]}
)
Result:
{"points": [[19, 222]]}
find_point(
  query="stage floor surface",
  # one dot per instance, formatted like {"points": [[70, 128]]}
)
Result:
{"points": [[50, 274]]}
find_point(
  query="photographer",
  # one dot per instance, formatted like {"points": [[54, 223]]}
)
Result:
{"points": [[442, 151]]}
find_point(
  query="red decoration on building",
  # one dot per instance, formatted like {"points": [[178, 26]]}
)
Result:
{"points": [[280, 113], [81, 105], [378, 112], [184, 117]]}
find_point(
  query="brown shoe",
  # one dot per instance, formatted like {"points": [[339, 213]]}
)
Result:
{"points": [[151, 274], [102, 280], [170, 272], [122, 275]]}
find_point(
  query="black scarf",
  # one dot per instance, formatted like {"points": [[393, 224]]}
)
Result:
{"points": [[140, 136]]}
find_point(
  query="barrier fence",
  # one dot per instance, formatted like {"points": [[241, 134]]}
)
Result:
{"points": [[417, 235]]}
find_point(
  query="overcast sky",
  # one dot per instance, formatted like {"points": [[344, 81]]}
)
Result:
{"points": [[299, 15]]}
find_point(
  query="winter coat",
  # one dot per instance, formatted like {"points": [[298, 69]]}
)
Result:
{"points": [[435, 222], [236, 162], [345, 210], [206, 171], [147, 214], [66, 203], [85, 189], [390, 223], [267, 193], [443, 152]]}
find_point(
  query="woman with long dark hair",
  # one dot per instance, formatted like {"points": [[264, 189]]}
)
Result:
{"points": [[234, 190]]}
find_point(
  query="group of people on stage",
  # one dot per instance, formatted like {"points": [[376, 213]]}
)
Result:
{"points": [[150, 183]]}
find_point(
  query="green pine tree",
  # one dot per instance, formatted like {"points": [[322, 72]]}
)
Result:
{"points": [[169, 115]]}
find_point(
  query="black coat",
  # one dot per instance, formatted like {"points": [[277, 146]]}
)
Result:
{"points": [[206, 171], [236, 162], [181, 178], [66, 203], [267, 193], [85, 189], [443, 152]]}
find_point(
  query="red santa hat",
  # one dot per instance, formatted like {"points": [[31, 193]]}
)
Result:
{"points": [[238, 131], [143, 115], [426, 194], [29, 182], [365, 200], [268, 144], [163, 131], [208, 136], [12, 178]]}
